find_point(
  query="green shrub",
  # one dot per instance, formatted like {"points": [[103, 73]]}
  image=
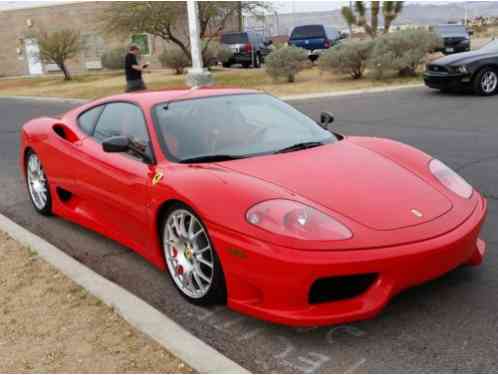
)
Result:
{"points": [[286, 62], [211, 54], [348, 58], [114, 59], [224, 54], [402, 51], [174, 58]]}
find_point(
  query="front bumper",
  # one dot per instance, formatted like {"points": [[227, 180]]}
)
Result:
{"points": [[273, 283], [447, 81]]}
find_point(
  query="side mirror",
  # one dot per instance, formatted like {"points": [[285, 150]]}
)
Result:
{"points": [[116, 144], [326, 118], [122, 144]]}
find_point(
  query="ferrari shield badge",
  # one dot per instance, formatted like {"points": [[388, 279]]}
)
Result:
{"points": [[157, 177]]}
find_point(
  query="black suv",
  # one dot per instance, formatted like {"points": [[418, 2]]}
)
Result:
{"points": [[455, 38], [248, 48]]}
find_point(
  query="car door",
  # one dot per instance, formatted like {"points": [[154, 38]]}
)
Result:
{"points": [[116, 185]]}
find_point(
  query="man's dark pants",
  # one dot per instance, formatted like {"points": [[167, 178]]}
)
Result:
{"points": [[135, 85]]}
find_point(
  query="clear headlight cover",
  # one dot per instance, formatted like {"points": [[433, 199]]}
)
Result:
{"points": [[296, 220], [450, 179]]}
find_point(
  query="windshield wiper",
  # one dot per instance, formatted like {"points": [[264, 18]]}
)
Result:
{"points": [[299, 146], [211, 158]]}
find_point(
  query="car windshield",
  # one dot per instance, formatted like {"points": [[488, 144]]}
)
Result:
{"points": [[236, 38], [490, 47], [307, 32], [450, 29], [233, 126]]}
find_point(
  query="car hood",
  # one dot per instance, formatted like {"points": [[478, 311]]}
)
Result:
{"points": [[353, 181], [463, 58]]}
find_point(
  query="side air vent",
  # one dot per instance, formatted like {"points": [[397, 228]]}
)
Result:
{"points": [[65, 132]]}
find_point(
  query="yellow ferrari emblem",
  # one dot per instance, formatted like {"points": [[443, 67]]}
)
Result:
{"points": [[157, 177]]}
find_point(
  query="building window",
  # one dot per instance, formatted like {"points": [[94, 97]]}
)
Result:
{"points": [[92, 50], [143, 41]]}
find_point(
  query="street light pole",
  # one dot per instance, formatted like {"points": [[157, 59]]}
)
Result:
{"points": [[197, 75]]}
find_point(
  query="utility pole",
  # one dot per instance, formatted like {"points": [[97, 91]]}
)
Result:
{"points": [[197, 76]]}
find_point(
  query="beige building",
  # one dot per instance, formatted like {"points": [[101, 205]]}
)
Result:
{"points": [[19, 51]]}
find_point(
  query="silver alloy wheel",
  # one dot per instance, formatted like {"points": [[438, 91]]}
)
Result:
{"points": [[489, 81], [188, 253], [37, 182]]}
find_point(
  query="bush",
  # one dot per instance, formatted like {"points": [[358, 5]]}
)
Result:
{"points": [[174, 58], [214, 53], [402, 51], [349, 58], [224, 54], [114, 59], [286, 62]]}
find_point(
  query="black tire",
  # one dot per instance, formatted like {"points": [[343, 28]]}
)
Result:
{"points": [[46, 208], [246, 65], [257, 61], [313, 58], [217, 293], [226, 65], [480, 87]]}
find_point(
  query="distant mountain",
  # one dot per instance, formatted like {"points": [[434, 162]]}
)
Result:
{"points": [[419, 13]]}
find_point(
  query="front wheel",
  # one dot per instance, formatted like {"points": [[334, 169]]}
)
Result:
{"points": [[486, 82], [192, 262], [38, 188]]}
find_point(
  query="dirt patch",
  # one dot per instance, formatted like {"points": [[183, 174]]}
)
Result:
{"points": [[50, 324]]}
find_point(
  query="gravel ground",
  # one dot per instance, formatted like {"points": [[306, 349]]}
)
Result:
{"points": [[50, 324]]}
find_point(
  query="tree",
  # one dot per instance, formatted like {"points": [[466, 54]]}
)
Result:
{"points": [[59, 46], [167, 19], [358, 16]]}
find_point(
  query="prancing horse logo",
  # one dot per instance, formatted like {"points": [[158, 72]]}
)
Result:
{"points": [[417, 213]]}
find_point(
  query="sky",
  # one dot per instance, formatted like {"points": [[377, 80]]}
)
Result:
{"points": [[279, 6]]}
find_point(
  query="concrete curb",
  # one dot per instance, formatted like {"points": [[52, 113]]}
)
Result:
{"points": [[75, 101], [197, 354], [318, 95], [350, 92]]}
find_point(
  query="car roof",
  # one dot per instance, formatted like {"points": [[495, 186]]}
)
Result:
{"points": [[150, 98]]}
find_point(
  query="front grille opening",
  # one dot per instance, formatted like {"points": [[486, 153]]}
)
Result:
{"points": [[340, 287]]}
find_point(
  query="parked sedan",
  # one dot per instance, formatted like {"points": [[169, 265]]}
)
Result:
{"points": [[476, 70], [243, 200], [455, 38]]}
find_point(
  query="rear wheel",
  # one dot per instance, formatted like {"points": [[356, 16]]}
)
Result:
{"points": [[486, 82], [192, 262], [257, 61], [36, 179]]}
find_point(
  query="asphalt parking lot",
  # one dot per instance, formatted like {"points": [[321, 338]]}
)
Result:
{"points": [[448, 325]]}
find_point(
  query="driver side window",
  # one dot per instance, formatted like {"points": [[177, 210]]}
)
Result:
{"points": [[123, 119]]}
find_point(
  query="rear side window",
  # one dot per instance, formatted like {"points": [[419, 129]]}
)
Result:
{"points": [[234, 38], [88, 119], [332, 33], [308, 32]]}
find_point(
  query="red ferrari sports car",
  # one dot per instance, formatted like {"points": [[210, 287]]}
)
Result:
{"points": [[244, 200]]}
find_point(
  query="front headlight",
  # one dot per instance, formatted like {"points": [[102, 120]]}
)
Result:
{"points": [[296, 220], [450, 179]]}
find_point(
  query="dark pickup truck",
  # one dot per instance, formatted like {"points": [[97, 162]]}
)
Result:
{"points": [[455, 38]]}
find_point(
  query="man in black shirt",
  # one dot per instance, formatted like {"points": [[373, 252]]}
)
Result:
{"points": [[133, 70]]}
